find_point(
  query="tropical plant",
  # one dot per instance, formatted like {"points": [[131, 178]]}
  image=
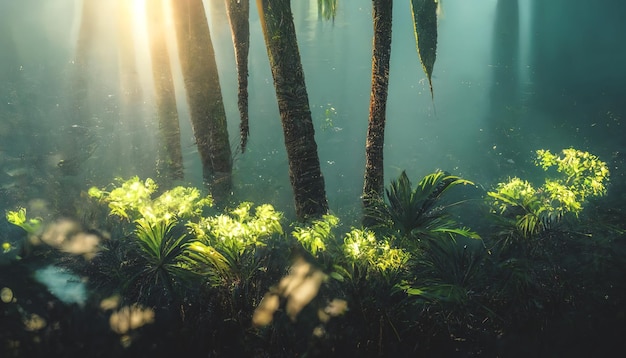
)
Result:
{"points": [[157, 259], [239, 256], [536, 251], [162, 266], [227, 245], [18, 218], [524, 211], [316, 236], [412, 214], [132, 200]]}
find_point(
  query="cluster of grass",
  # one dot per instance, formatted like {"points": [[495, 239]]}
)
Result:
{"points": [[169, 274]]}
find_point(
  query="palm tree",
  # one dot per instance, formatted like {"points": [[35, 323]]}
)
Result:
{"points": [[425, 19], [204, 94], [293, 103], [382, 11], [164, 91]]}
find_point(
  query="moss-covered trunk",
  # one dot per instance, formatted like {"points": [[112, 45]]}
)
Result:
{"points": [[374, 180], [170, 156], [293, 103], [204, 95]]}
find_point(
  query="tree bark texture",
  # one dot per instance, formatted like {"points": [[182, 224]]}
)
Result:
{"points": [[204, 95], [374, 180], [293, 103], [170, 155], [238, 17]]}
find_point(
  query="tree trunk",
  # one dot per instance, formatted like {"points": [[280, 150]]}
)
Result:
{"points": [[238, 17], [171, 155], [373, 187], [293, 103], [131, 130], [204, 95]]}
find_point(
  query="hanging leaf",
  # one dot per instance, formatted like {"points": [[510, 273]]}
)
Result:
{"points": [[425, 21], [327, 9]]}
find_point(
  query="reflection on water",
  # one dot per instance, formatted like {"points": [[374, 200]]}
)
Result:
{"points": [[63, 284]]}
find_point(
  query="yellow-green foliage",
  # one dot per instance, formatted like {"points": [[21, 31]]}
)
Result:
{"points": [[133, 200], [225, 244], [314, 237], [582, 173], [576, 176], [18, 218], [361, 247], [238, 229], [218, 245]]}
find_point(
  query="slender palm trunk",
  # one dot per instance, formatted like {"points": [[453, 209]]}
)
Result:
{"points": [[293, 103], [373, 187], [204, 95], [238, 17], [171, 155]]}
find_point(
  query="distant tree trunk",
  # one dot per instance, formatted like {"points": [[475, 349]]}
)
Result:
{"points": [[505, 88], [238, 17], [79, 110], [167, 113], [124, 142], [293, 103], [204, 95], [71, 147], [374, 184]]}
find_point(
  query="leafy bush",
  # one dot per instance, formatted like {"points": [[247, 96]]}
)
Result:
{"points": [[529, 211]]}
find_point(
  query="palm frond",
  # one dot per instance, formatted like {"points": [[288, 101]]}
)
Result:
{"points": [[418, 211], [164, 257]]}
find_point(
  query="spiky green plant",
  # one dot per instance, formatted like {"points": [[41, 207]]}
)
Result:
{"points": [[163, 266], [156, 252], [418, 213]]}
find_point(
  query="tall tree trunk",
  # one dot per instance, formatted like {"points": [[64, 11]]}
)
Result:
{"points": [[374, 183], [238, 15], [167, 113], [126, 137], [204, 95], [293, 103]]}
